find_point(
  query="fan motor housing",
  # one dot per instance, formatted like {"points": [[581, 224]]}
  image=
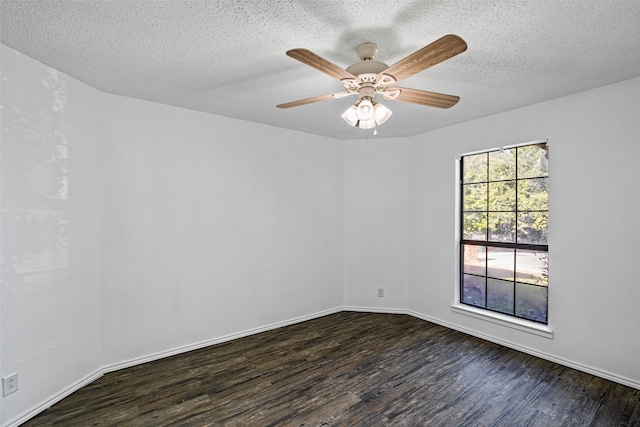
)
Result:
{"points": [[368, 66], [366, 52]]}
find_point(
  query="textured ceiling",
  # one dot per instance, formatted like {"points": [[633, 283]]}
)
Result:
{"points": [[228, 57]]}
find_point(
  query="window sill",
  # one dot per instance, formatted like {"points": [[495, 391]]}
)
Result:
{"points": [[508, 321]]}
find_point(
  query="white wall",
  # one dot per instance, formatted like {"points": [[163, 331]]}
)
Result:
{"points": [[594, 292], [50, 233], [213, 226], [375, 224]]}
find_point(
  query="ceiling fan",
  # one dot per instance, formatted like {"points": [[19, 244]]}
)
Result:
{"points": [[368, 78]]}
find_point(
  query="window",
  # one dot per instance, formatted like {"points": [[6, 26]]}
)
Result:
{"points": [[504, 217]]}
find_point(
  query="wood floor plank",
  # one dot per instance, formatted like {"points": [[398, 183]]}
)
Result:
{"points": [[349, 369]]}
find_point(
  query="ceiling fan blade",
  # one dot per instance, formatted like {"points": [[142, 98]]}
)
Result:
{"points": [[314, 99], [311, 59], [421, 97], [430, 55]]}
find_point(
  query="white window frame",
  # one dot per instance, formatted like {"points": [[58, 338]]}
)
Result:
{"points": [[479, 313]]}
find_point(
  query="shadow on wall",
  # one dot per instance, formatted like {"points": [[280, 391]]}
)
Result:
{"points": [[34, 176]]}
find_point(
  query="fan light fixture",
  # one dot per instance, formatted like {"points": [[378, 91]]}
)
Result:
{"points": [[368, 78], [366, 113]]}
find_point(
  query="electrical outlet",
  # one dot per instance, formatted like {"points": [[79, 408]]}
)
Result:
{"points": [[10, 384], [380, 292]]}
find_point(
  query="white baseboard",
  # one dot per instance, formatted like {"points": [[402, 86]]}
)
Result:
{"points": [[375, 309], [559, 360], [132, 362], [54, 399], [218, 340]]}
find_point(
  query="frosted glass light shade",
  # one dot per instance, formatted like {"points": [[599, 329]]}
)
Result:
{"points": [[350, 115], [366, 114], [381, 113], [367, 124], [365, 110]]}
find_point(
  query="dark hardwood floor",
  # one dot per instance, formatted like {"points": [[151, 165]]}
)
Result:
{"points": [[350, 369]]}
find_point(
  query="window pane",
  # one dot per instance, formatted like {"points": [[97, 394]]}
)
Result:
{"points": [[531, 302], [500, 263], [533, 227], [532, 267], [533, 194], [474, 260], [473, 290], [502, 226], [475, 197], [474, 226], [502, 196], [500, 295], [474, 168], [533, 161], [505, 202], [502, 165]]}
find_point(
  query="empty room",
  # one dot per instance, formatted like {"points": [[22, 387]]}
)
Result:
{"points": [[306, 213]]}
